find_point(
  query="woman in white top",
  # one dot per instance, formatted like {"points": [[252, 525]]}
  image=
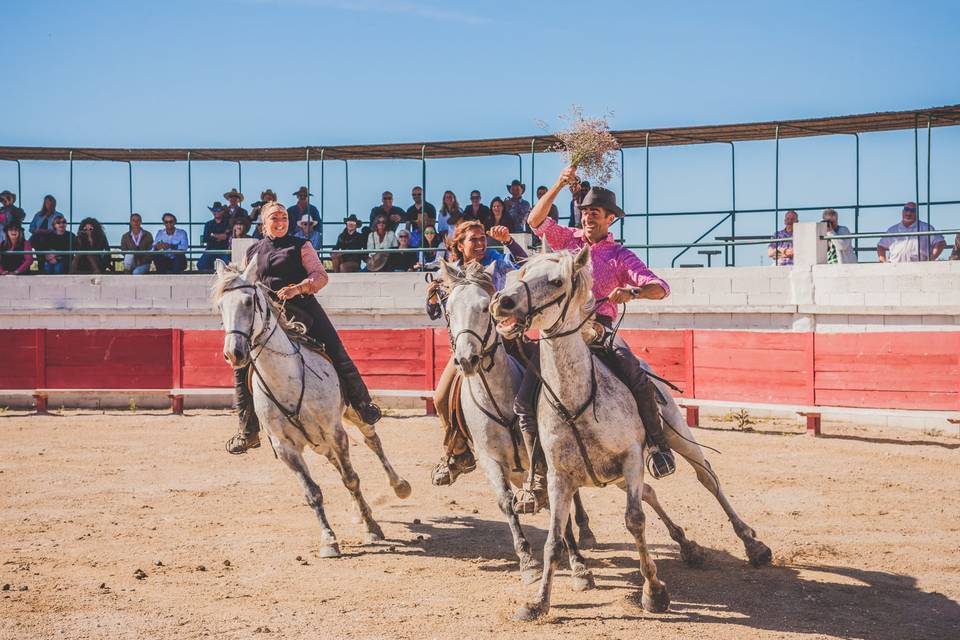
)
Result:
{"points": [[839, 251], [449, 214], [380, 238]]}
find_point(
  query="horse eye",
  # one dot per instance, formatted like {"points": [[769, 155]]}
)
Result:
{"points": [[557, 282], [248, 301]]}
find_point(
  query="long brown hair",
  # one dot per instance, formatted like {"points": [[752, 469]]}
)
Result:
{"points": [[459, 233]]}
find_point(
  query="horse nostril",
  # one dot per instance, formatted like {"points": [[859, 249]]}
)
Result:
{"points": [[507, 303], [474, 360]]}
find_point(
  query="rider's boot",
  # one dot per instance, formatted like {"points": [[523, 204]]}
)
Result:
{"points": [[660, 460], [248, 436], [357, 393], [533, 497], [453, 466]]}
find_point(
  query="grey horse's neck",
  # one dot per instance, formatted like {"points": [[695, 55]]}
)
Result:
{"points": [[565, 364], [498, 378]]}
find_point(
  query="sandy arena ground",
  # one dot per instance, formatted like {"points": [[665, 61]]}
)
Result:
{"points": [[864, 525]]}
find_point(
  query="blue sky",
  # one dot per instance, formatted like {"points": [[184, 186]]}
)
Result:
{"points": [[294, 72]]}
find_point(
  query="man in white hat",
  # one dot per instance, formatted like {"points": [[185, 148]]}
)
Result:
{"points": [[302, 208]]}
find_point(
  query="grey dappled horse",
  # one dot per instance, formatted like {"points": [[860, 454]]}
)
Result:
{"points": [[296, 394]]}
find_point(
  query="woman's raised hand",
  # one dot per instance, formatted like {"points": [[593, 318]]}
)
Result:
{"points": [[500, 233]]}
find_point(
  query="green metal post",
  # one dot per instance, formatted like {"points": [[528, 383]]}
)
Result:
{"points": [[646, 190], [533, 167], [322, 151], [733, 198], [520, 162], [130, 183], [856, 211], [928, 176], [19, 185], [776, 183], [623, 191], [239, 176], [346, 177], [916, 175], [189, 199], [423, 186], [308, 168], [70, 213]]}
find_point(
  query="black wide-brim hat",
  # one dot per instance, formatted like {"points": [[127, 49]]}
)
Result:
{"points": [[602, 198], [352, 218]]}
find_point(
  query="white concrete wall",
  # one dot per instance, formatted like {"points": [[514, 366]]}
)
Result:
{"points": [[868, 297]]}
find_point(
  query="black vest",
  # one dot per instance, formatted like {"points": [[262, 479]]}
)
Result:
{"points": [[279, 262]]}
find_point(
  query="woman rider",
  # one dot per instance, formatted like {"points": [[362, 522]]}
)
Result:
{"points": [[289, 266], [468, 244], [618, 275]]}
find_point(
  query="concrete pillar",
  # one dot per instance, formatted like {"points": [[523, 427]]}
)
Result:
{"points": [[239, 249], [808, 248]]}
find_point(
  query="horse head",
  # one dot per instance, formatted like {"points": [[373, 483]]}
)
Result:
{"points": [[235, 294], [550, 290], [468, 300]]}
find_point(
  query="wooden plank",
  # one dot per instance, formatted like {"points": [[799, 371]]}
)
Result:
{"points": [[900, 345], [948, 364], [912, 379], [780, 341], [651, 338], [931, 401], [752, 359], [690, 379]]}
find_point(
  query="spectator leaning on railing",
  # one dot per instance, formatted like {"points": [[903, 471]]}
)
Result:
{"points": [[349, 239], [838, 251], [14, 240], [782, 252], [91, 238], [60, 239], [910, 248], [136, 239], [174, 243]]}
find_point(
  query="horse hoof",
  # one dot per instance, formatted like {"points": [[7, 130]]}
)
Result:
{"points": [[692, 554], [402, 489], [330, 550], [758, 553], [583, 581], [587, 539], [655, 600], [530, 574], [529, 613]]}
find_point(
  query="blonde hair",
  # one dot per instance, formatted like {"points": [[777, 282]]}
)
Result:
{"points": [[269, 208]]}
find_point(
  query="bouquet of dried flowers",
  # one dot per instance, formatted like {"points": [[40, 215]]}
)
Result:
{"points": [[588, 145]]}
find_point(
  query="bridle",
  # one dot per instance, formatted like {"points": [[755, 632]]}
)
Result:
{"points": [[264, 312], [485, 351], [565, 298]]}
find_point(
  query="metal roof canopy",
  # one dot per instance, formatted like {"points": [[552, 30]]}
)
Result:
{"points": [[674, 136]]}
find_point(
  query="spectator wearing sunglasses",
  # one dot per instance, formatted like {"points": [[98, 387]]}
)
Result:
{"points": [[380, 238], [91, 238], [136, 239], [421, 214], [476, 210], [174, 243], [59, 239], [910, 248], [393, 215], [14, 264]]}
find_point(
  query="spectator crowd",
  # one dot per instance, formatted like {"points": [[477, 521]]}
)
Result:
{"points": [[419, 232]]}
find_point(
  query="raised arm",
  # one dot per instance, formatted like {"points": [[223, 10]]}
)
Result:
{"points": [[541, 210]]}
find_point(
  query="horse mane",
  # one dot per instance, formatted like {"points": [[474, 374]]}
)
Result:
{"points": [[583, 293], [231, 273], [474, 273]]}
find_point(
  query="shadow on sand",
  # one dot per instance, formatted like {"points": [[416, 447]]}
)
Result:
{"points": [[798, 598]]}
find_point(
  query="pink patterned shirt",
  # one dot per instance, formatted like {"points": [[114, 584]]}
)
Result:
{"points": [[613, 265]]}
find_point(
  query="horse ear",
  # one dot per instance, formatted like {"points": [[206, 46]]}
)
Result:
{"points": [[219, 266], [450, 273], [582, 259], [490, 269], [250, 273]]}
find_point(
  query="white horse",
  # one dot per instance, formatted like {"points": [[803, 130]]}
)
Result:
{"points": [[589, 425], [490, 382], [296, 395]]}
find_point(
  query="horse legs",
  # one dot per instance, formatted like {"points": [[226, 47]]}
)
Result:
{"points": [[582, 578], [690, 552], [655, 597], [400, 486], [497, 475], [587, 539], [339, 456], [561, 492], [293, 458]]}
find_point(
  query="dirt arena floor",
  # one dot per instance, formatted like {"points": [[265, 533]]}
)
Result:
{"points": [[864, 525]]}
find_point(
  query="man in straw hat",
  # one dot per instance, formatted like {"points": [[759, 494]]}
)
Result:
{"points": [[233, 208], [302, 208], [618, 276]]}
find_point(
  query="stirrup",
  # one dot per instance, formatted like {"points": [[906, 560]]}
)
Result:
{"points": [[526, 501], [242, 442], [447, 471], [660, 464]]}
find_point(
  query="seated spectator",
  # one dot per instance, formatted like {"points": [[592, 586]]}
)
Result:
{"points": [[910, 248], [216, 237], [309, 230], [136, 239], [782, 252], [516, 207], [404, 260], [955, 254], [838, 251], [579, 191], [233, 209], [43, 220], [476, 210], [60, 239], [450, 213], [499, 218], [380, 238], [266, 196], [349, 239], [415, 217], [9, 212], [430, 260], [240, 229], [554, 212], [393, 215], [91, 238], [14, 240], [174, 243], [301, 209]]}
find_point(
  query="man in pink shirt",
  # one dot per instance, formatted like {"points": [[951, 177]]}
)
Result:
{"points": [[618, 276]]}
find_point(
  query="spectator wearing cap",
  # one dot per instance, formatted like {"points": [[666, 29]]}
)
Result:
{"points": [[216, 236], [403, 260], [380, 238], [233, 209], [579, 191], [781, 252], [60, 239], [350, 239], [308, 229], [91, 238], [838, 251], [239, 229], [9, 212], [136, 239], [13, 240], [500, 218], [174, 244], [910, 248], [386, 210], [476, 210], [516, 207], [420, 214], [450, 213], [302, 208]]}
